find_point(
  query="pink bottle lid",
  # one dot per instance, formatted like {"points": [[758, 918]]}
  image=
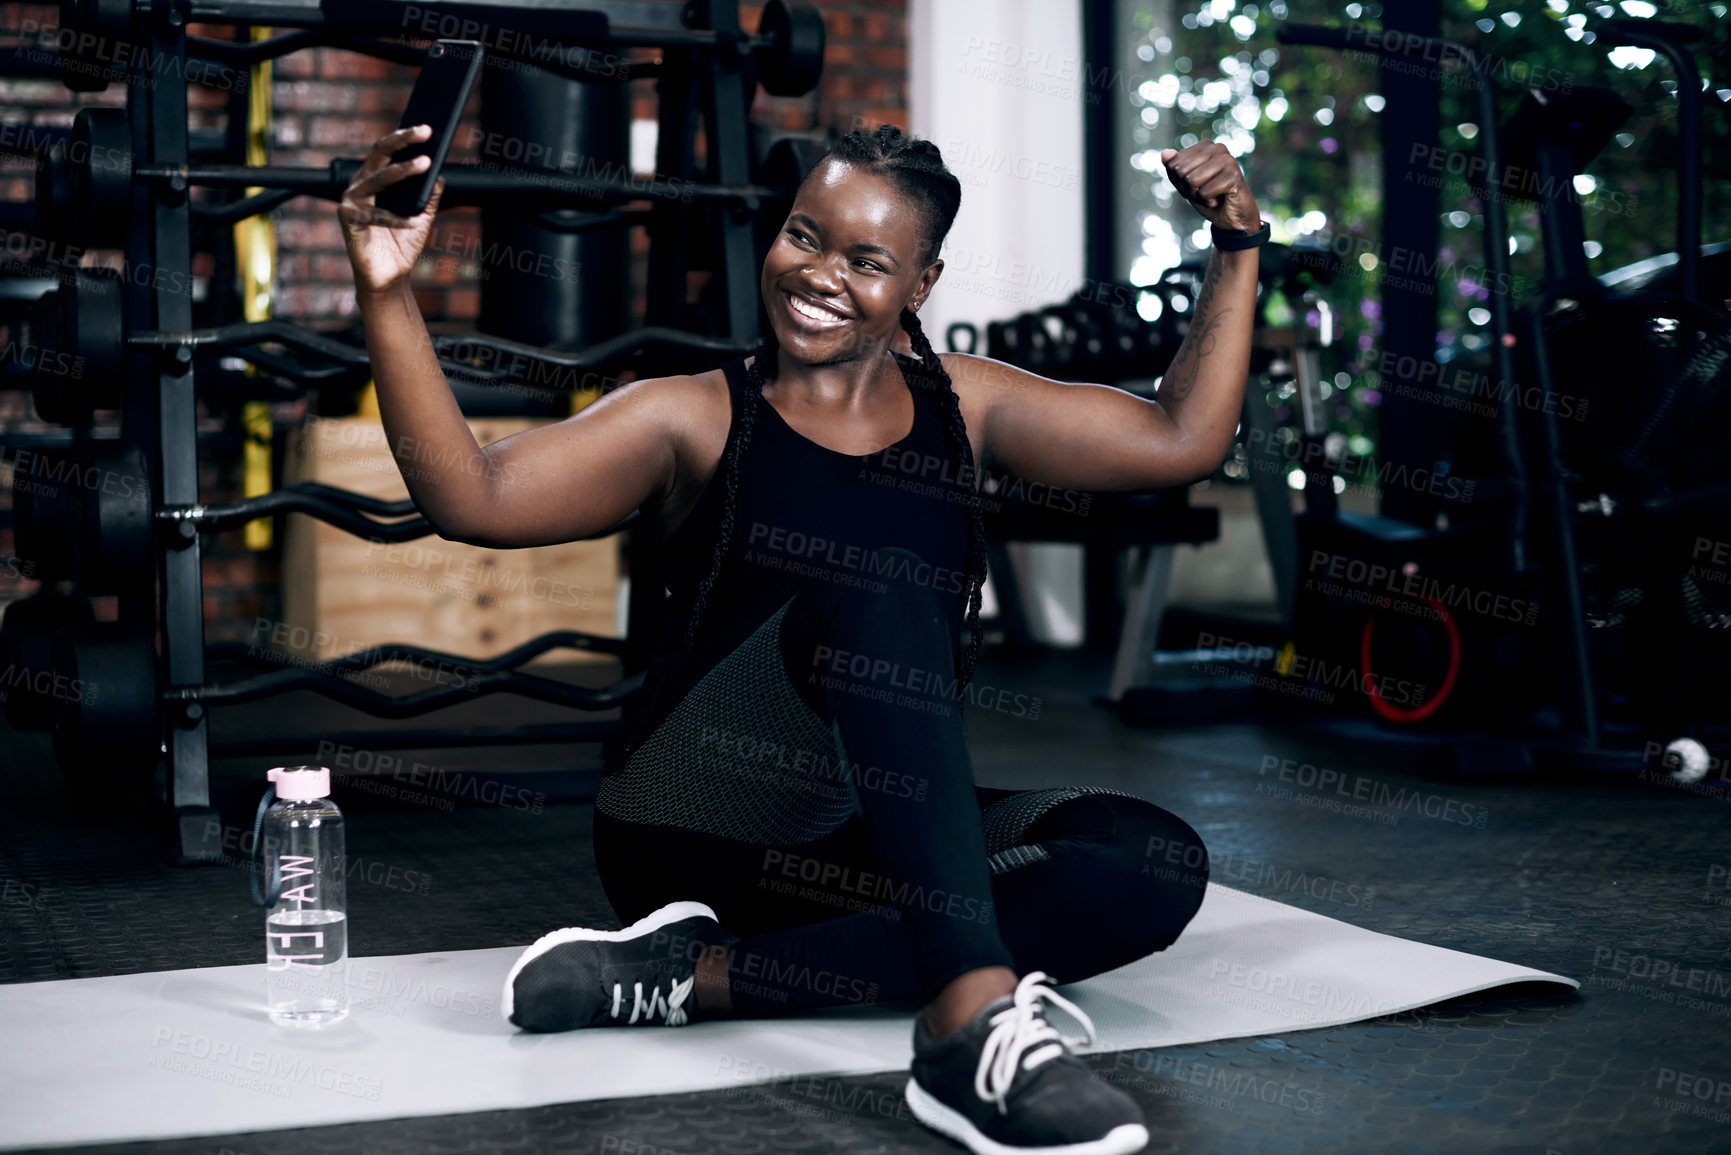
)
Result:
{"points": [[301, 783]]}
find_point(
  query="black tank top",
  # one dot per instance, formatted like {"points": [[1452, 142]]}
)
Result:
{"points": [[805, 513]]}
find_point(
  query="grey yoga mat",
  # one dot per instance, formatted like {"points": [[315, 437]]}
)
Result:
{"points": [[191, 1052]]}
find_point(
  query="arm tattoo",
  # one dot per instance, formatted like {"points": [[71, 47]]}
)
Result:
{"points": [[1199, 342]]}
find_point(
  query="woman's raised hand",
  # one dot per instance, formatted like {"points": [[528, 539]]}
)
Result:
{"points": [[383, 246], [1210, 178]]}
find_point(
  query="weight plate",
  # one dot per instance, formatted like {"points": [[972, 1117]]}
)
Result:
{"points": [[81, 352], [100, 159], [93, 42], [27, 634], [54, 394], [112, 514], [93, 325], [54, 217], [106, 702], [792, 63], [41, 518]]}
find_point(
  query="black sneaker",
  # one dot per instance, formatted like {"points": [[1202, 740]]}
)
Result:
{"points": [[1006, 1084], [643, 974]]}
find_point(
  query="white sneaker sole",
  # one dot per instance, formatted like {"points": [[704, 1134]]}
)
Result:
{"points": [[671, 913], [947, 1121]]}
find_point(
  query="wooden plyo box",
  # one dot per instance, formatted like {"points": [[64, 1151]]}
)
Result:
{"points": [[343, 593]]}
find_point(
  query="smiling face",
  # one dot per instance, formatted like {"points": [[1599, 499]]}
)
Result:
{"points": [[844, 266]]}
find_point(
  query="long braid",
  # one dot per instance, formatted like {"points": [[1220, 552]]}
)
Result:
{"points": [[755, 380], [957, 431]]}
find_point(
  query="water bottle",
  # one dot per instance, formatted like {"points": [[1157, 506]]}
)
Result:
{"points": [[306, 908]]}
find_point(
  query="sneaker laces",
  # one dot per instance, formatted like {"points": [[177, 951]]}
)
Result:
{"points": [[1022, 1036], [671, 1008]]}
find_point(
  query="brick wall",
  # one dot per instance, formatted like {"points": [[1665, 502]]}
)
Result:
{"points": [[328, 103]]}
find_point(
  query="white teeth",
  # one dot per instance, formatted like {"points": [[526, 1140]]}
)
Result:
{"points": [[820, 316]]}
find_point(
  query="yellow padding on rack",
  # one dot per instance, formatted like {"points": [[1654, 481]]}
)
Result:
{"points": [[255, 254]]}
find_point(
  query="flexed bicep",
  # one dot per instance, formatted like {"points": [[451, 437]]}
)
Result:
{"points": [[1074, 436]]}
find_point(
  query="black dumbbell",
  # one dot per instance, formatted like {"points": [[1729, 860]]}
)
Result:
{"points": [[99, 178], [27, 635], [791, 63], [80, 332], [106, 709]]}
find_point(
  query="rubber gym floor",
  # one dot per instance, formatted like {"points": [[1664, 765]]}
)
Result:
{"points": [[1606, 880]]}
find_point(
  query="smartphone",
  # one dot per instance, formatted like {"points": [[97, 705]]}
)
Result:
{"points": [[438, 98]]}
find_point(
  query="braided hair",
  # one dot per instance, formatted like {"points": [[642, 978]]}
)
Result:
{"points": [[917, 170]]}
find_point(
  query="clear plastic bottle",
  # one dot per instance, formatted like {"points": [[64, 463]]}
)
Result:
{"points": [[306, 915]]}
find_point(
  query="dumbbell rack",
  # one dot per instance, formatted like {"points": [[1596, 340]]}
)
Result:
{"points": [[148, 717]]}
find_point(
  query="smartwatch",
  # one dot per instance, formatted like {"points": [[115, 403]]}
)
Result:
{"points": [[1232, 240]]}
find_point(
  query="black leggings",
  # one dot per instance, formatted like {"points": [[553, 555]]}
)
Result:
{"points": [[815, 791]]}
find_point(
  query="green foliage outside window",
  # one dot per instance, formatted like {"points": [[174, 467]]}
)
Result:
{"points": [[1304, 122]]}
